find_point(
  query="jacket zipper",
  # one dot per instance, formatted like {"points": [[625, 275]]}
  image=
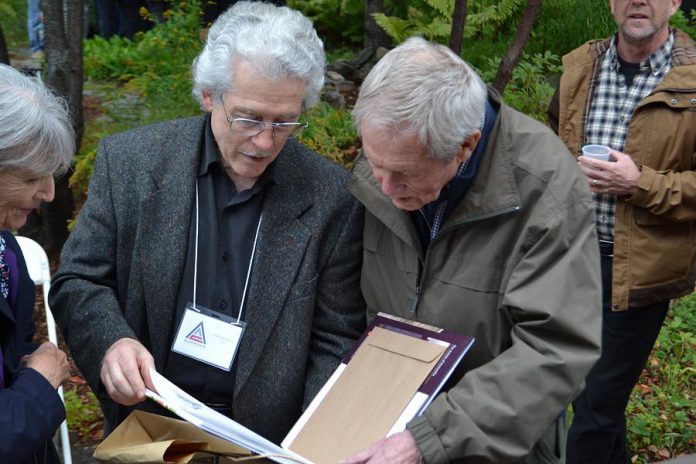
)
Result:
{"points": [[419, 274], [419, 281]]}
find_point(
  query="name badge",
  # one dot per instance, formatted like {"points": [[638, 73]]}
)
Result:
{"points": [[208, 336]]}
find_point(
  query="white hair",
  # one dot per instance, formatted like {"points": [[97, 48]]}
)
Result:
{"points": [[278, 41], [36, 132], [426, 89]]}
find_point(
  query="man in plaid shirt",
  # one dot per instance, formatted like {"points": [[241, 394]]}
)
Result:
{"points": [[636, 93]]}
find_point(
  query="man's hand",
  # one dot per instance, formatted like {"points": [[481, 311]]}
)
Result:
{"points": [[400, 448], [618, 177], [50, 362], [125, 371]]}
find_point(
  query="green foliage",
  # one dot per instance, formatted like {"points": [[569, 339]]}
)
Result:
{"points": [[434, 21], [13, 20], [7, 10], [680, 21], [83, 412], [661, 414], [155, 77], [563, 25], [108, 110], [166, 50], [338, 22], [331, 133], [529, 89]]}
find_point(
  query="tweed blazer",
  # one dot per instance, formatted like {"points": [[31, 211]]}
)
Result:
{"points": [[121, 268]]}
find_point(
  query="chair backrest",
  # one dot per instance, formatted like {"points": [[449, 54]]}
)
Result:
{"points": [[37, 261]]}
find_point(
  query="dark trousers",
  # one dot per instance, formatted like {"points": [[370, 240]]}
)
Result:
{"points": [[598, 432], [119, 17]]}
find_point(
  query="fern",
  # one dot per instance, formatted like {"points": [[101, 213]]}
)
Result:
{"points": [[435, 22], [398, 29], [444, 7]]}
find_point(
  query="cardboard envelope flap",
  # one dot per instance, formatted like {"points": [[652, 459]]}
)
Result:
{"points": [[405, 345], [145, 437], [162, 428]]}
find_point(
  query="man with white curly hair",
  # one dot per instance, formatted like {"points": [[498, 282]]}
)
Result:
{"points": [[218, 249]]}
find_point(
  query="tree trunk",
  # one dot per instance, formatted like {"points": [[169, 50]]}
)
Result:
{"points": [[64, 30], [4, 55], [458, 21], [514, 51], [375, 36]]}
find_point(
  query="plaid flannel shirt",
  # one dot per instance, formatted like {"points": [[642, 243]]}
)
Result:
{"points": [[611, 109]]}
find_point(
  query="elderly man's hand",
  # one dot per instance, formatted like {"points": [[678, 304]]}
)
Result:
{"points": [[125, 371], [618, 177], [400, 448], [50, 362]]}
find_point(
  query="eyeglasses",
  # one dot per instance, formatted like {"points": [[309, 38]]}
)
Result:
{"points": [[252, 127]]}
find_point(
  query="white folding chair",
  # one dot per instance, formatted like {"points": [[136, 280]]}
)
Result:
{"points": [[40, 273]]}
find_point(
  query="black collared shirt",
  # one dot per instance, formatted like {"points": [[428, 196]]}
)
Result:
{"points": [[228, 222]]}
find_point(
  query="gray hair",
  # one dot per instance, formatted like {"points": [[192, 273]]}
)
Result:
{"points": [[278, 41], [423, 88], [36, 133]]}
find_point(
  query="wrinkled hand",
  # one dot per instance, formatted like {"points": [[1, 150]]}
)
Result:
{"points": [[618, 177], [50, 362], [400, 448], [125, 371]]}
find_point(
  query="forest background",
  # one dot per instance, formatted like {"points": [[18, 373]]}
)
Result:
{"points": [[118, 84]]}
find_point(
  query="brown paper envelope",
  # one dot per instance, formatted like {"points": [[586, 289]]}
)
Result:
{"points": [[158, 452], [369, 396], [150, 438]]}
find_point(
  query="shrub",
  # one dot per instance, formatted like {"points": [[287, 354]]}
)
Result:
{"points": [[529, 90], [331, 133], [157, 64], [339, 23], [154, 77]]}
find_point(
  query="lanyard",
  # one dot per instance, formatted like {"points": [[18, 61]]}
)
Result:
{"points": [[251, 260]]}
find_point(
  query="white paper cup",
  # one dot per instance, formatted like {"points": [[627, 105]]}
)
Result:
{"points": [[598, 152]]}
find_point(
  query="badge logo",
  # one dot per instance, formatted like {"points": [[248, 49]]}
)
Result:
{"points": [[197, 335]]}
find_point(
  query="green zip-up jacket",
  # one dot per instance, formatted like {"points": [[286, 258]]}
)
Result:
{"points": [[516, 266]]}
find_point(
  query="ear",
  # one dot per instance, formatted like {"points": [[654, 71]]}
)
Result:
{"points": [[208, 101], [675, 6], [468, 146]]}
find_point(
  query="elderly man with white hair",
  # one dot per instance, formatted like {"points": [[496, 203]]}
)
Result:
{"points": [[219, 249], [477, 221]]}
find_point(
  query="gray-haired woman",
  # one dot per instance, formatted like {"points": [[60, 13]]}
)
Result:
{"points": [[36, 143]]}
